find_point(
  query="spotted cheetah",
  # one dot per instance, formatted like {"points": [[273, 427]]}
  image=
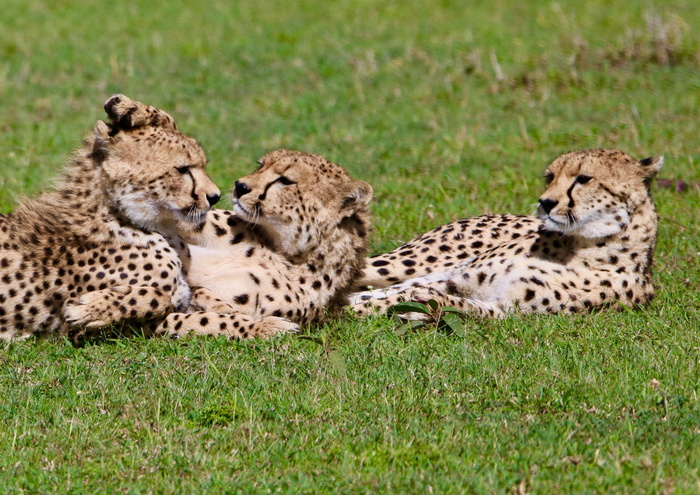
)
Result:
{"points": [[292, 247], [591, 247], [99, 249]]}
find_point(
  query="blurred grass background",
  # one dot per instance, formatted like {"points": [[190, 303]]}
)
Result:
{"points": [[449, 109]]}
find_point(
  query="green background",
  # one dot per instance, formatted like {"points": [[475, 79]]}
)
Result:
{"points": [[449, 109]]}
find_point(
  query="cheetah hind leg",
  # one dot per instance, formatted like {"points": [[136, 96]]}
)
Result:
{"points": [[233, 326], [101, 308]]}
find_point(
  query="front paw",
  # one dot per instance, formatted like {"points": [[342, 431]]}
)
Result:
{"points": [[82, 313]]}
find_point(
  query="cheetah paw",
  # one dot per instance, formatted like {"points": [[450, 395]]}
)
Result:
{"points": [[84, 312], [270, 326]]}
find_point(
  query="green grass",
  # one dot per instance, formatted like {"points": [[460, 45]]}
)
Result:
{"points": [[449, 110]]}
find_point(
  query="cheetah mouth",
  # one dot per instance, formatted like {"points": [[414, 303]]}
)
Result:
{"points": [[554, 224], [245, 213], [191, 215]]}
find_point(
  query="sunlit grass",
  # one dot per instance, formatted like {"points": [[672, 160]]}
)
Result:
{"points": [[448, 110]]}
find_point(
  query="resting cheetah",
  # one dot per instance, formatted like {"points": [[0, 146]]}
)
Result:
{"points": [[292, 247], [592, 247], [96, 250]]}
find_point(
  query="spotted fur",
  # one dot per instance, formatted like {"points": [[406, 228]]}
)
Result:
{"points": [[292, 247], [591, 247]]}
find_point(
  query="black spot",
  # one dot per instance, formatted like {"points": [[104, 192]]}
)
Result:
{"points": [[241, 299], [529, 295]]}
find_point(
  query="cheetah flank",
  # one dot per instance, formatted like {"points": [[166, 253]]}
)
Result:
{"points": [[293, 246], [592, 247]]}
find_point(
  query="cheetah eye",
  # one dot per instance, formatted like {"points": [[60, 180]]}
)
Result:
{"points": [[285, 181], [548, 177], [183, 169], [582, 179]]}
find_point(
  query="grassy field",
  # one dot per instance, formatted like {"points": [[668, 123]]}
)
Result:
{"points": [[449, 109]]}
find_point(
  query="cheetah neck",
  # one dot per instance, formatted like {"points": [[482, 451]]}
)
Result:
{"points": [[632, 247], [78, 210], [334, 265]]}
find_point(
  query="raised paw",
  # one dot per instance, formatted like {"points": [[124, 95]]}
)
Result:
{"points": [[233, 326]]}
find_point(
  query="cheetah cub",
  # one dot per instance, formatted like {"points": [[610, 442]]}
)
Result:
{"points": [[98, 249], [293, 246], [591, 247]]}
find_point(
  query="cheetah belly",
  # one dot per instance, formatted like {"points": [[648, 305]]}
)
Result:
{"points": [[225, 272]]}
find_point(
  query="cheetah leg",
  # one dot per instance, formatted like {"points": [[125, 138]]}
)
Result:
{"points": [[380, 302], [100, 308], [233, 326]]}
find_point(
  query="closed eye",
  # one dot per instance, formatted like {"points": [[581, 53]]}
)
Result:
{"points": [[582, 179], [285, 181], [183, 169]]}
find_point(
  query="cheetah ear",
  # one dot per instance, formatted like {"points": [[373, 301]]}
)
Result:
{"points": [[354, 196], [125, 113], [651, 166]]}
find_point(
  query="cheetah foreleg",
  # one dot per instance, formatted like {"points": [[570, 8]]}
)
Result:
{"points": [[101, 308], [232, 326]]}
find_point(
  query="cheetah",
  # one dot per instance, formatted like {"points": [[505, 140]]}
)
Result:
{"points": [[101, 248], [293, 246], [590, 247]]}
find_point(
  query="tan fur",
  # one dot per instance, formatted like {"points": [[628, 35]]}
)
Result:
{"points": [[591, 247], [293, 246]]}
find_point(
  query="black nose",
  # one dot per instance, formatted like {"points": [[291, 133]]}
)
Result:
{"points": [[241, 188], [213, 199], [548, 204]]}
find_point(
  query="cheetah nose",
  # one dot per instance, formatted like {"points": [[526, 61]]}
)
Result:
{"points": [[213, 199], [241, 188], [548, 205]]}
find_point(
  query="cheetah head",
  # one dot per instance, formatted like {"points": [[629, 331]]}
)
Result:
{"points": [[593, 193], [153, 174], [298, 198]]}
